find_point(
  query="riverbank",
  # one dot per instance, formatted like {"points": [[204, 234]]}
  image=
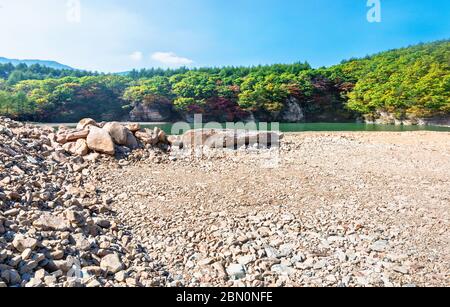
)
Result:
{"points": [[297, 127], [336, 209], [324, 209]]}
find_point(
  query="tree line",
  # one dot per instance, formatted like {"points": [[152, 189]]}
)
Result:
{"points": [[412, 81]]}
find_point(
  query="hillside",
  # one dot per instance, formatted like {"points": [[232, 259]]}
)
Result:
{"points": [[402, 85], [50, 64]]}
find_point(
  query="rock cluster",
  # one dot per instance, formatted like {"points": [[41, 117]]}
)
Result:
{"points": [[228, 138], [107, 138], [56, 226], [335, 210]]}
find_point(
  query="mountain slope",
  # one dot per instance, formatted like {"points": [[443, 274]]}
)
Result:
{"points": [[402, 85], [51, 64]]}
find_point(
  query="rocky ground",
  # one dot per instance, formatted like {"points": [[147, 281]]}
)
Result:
{"points": [[341, 209], [327, 209]]}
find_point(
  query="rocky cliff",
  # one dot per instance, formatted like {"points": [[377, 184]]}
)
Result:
{"points": [[155, 112]]}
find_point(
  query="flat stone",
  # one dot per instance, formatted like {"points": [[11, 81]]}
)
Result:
{"points": [[111, 263], [283, 269], [22, 243], [49, 222], [236, 271], [379, 246]]}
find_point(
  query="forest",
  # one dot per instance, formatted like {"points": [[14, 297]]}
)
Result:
{"points": [[406, 82]]}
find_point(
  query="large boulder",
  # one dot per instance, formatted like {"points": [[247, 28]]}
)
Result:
{"points": [[132, 142], [85, 122], [99, 140], [118, 132], [226, 138], [197, 137]]}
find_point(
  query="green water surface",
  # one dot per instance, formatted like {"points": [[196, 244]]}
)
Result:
{"points": [[308, 127]]}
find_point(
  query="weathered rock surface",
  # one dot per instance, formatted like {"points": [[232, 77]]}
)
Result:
{"points": [[99, 140], [155, 112], [84, 123], [292, 112], [118, 132], [111, 263], [223, 138]]}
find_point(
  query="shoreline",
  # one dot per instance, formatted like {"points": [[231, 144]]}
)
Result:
{"points": [[302, 127], [322, 209]]}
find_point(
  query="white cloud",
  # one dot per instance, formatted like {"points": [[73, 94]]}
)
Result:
{"points": [[137, 56], [170, 59]]}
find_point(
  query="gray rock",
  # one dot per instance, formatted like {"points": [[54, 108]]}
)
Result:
{"points": [[282, 269], [22, 243], [49, 222], [379, 246], [236, 271], [111, 263]]}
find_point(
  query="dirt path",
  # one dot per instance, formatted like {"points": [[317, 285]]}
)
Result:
{"points": [[350, 209]]}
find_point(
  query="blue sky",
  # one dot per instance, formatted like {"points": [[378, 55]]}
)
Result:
{"points": [[117, 35]]}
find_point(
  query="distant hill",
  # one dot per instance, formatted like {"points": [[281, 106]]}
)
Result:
{"points": [[51, 64]]}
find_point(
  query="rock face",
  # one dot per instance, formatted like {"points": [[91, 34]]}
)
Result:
{"points": [[155, 112], [387, 118], [118, 132], [99, 140], [292, 112], [223, 138]]}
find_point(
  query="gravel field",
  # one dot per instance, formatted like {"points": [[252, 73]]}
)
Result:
{"points": [[337, 209], [325, 209]]}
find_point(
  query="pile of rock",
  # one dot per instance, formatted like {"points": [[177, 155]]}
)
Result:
{"points": [[107, 138], [56, 227], [227, 138]]}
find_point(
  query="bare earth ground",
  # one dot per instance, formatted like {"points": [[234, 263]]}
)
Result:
{"points": [[340, 209]]}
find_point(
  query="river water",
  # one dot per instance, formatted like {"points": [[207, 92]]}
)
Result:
{"points": [[308, 127], [297, 127]]}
